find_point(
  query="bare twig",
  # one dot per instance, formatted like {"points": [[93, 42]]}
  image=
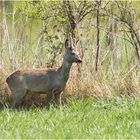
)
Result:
{"points": [[127, 74], [117, 35]]}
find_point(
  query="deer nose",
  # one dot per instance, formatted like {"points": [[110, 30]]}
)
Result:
{"points": [[79, 61]]}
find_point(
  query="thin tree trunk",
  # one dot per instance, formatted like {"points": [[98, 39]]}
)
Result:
{"points": [[113, 29], [1, 3], [134, 34], [98, 37], [1, 43]]}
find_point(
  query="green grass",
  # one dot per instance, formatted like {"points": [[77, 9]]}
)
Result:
{"points": [[114, 118]]}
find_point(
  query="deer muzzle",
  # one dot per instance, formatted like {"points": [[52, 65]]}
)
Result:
{"points": [[79, 61]]}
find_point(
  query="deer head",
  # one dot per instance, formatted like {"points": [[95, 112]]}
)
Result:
{"points": [[71, 55]]}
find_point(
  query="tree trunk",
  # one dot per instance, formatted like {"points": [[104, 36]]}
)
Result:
{"points": [[98, 37]]}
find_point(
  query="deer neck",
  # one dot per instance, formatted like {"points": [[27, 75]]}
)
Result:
{"points": [[65, 70]]}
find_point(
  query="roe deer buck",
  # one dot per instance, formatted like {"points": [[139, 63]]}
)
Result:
{"points": [[51, 82]]}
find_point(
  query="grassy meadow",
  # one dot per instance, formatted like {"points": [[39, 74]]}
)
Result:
{"points": [[116, 118], [100, 104]]}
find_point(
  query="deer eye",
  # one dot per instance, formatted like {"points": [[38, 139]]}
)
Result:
{"points": [[73, 53]]}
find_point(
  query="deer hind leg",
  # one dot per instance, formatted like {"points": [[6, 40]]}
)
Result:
{"points": [[16, 97], [57, 98]]}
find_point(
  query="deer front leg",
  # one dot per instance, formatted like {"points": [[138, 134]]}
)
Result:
{"points": [[49, 99], [57, 98]]}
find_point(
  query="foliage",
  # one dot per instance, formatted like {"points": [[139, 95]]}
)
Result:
{"points": [[80, 119]]}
